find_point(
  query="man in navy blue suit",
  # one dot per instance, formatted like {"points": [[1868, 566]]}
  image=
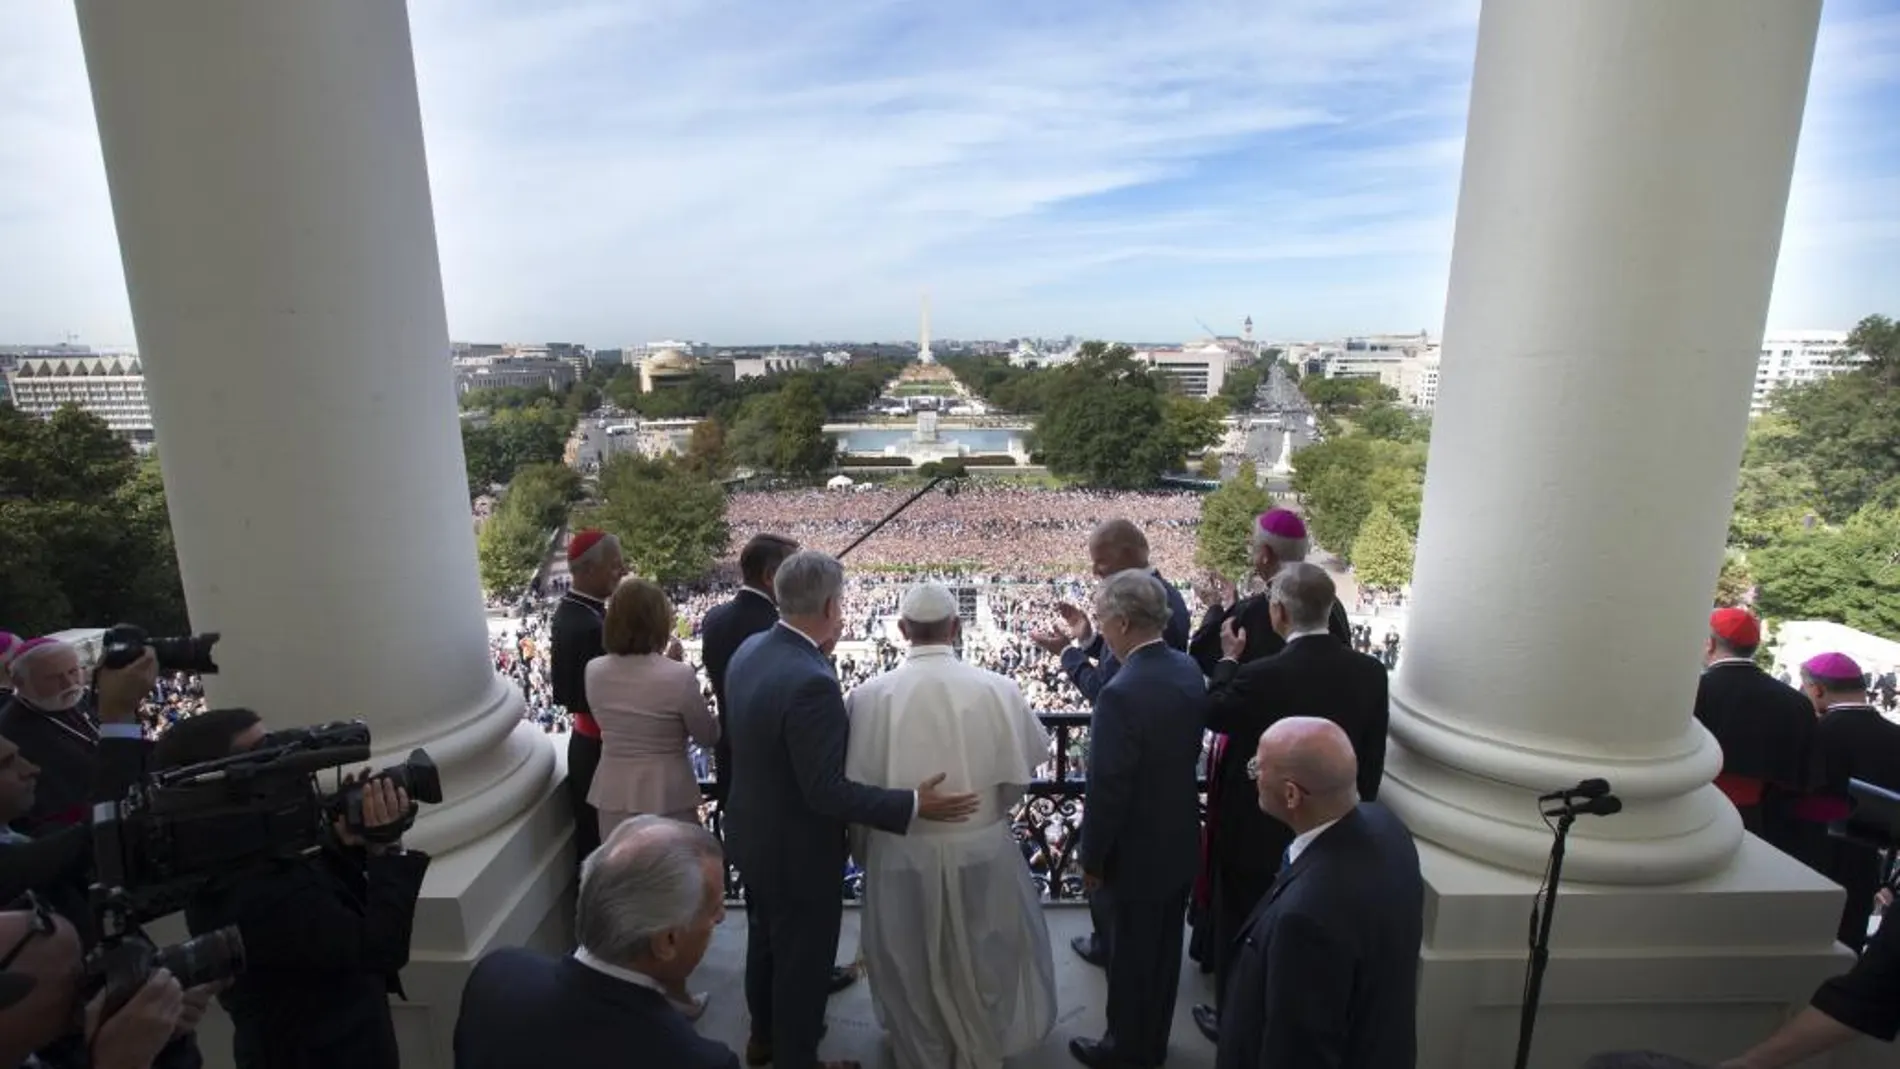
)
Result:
{"points": [[1141, 819], [650, 898], [1114, 546], [787, 809]]}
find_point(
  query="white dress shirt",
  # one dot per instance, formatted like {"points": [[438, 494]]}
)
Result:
{"points": [[1305, 838], [638, 979]]}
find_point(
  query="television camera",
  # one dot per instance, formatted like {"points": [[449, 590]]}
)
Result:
{"points": [[180, 828]]}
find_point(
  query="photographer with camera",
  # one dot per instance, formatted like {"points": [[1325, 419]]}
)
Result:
{"points": [[325, 934]]}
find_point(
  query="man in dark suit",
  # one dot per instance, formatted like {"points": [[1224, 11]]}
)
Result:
{"points": [[786, 815], [50, 719], [595, 563], [1114, 546], [1864, 1001], [1764, 727], [1852, 741], [1279, 538], [605, 1004], [1141, 818], [1327, 974], [752, 610], [1313, 675]]}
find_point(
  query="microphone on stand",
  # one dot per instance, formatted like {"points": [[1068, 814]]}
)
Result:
{"points": [[1590, 788]]}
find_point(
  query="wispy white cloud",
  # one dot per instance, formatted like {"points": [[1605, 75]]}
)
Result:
{"points": [[737, 170]]}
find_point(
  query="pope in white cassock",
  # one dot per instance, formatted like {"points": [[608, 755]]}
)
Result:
{"points": [[953, 935]]}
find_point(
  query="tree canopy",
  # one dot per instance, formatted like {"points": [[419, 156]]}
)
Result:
{"points": [[1242, 386], [1816, 521], [1110, 422], [670, 522], [85, 540], [1341, 480], [1382, 551], [1222, 541], [512, 439], [783, 432], [840, 389], [512, 540]]}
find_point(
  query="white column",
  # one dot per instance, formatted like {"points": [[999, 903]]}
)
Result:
{"points": [[1626, 171], [272, 199]]}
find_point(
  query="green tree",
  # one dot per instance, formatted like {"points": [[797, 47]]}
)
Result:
{"points": [[512, 439], [1108, 422], [801, 446], [706, 450], [1849, 574], [84, 536], [1846, 429], [1209, 467], [1735, 582], [670, 522], [1382, 552], [1188, 426], [1222, 541], [1242, 387], [508, 551]]}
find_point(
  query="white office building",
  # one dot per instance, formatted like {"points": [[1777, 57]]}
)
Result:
{"points": [[111, 387], [507, 372], [1197, 372], [1798, 357]]}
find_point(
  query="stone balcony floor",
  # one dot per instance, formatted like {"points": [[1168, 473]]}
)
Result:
{"points": [[1081, 992]]}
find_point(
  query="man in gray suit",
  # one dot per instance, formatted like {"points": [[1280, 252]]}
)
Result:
{"points": [[787, 809]]}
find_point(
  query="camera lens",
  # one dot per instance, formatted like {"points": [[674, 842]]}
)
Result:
{"points": [[214, 956]]}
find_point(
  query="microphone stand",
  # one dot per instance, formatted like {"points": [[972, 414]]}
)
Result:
{"points": [[1541, 916], [1568, 806], [908, 502]]}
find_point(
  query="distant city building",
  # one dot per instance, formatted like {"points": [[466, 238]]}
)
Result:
{"points": [[607, 358], [1200, 371], [111, 387], [511, 372], [1418, 381], [1796, 358], [753, 366]]}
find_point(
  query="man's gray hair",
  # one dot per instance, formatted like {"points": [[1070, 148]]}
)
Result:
{"points": [[806, 581], [1285, 550], [646, 879], [1135, 596], [1306, 592], [596, 553]]}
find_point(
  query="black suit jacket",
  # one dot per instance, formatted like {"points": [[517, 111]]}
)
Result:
{"points": [[1867, 997], [64, 746], [786, 816], [522, 1009], [1311, 676], [725, 629], [1765, 727], [1141, 817], [1327, 974], [574, 639], [1251, 616], [1092, 666], [1854, 742], [324, 939]]}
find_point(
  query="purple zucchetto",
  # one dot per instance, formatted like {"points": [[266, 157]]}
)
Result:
{"points": [[1832, 666], [1282, 523]]}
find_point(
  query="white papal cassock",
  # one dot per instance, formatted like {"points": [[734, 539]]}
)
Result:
{"points": [[954, 940]]}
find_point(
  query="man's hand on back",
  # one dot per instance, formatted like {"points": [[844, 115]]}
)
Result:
{"points": [[933, 804], [120, 690]]}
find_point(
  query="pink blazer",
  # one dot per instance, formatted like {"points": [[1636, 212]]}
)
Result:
{"points": [[647, 706]]}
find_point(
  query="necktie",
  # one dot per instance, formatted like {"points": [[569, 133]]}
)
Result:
{"points": [[1286, 859]]}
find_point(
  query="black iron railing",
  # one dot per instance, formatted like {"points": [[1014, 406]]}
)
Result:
{"points": [[1046, 824]]}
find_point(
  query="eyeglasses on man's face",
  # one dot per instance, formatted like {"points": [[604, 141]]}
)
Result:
{"points": [[1253, 773]]}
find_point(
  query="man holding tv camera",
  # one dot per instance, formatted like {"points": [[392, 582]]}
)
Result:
{"points": [[64, 999], [325, 925]]}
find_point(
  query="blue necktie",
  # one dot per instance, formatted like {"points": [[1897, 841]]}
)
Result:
{"points": [[1286, 859]]}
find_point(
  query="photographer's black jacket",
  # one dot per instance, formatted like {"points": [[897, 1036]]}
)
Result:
{"points": [[324, 940]]}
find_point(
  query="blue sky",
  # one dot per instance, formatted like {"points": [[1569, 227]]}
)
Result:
{"points": [[614, 171]]}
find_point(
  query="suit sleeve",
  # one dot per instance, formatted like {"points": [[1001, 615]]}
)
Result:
{"points": [[1236, 702], [308, 927], [1085, 669], [1308, 995], [1340, 624], [1180, 620], [817, 745], [1867, 997], [1372, 747], [1109, 796], [1204, 647]]}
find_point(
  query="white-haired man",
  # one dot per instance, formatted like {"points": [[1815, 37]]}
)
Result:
{"points": [[1278, 538], [650, 898], [958, 954]]}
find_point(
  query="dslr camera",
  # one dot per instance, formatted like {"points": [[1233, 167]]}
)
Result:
{"points": [[180, 828], [122, 644]]}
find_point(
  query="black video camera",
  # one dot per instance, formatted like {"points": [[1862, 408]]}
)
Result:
{"points": [[180, 828], [122, 644], [1875, 819]]}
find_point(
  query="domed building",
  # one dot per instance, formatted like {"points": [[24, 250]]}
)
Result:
{"points": [[667, 369]]}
